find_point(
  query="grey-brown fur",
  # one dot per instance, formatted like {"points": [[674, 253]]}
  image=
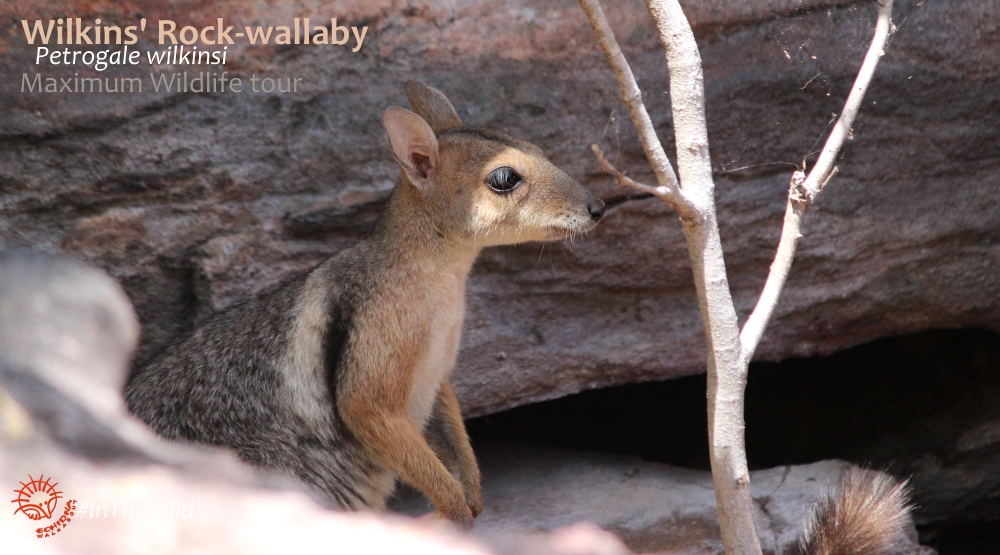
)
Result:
{"points": [[221, 383], [867, 515], [342, 376]]}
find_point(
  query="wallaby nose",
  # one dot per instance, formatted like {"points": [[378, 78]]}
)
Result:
{"points": [[596, 209]]}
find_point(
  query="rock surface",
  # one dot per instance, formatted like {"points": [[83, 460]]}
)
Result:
{"points": [[194, 201], [159, 509], [652, 507]]}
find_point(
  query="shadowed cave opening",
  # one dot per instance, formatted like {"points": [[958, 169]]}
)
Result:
{"points": [[926, 406]]}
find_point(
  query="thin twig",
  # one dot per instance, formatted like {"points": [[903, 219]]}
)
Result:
{"points": [[842, 130], [624, 180], [803, 190]]}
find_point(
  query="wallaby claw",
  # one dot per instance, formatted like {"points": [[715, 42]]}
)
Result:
{"points": [[474, 498]]}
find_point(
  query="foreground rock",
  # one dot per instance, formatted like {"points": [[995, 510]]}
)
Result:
{"points": [[66, 332], [158, 509], [652, 507], [196, 201]]}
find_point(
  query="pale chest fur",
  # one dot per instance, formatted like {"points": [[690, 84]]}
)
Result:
{"points": [[436, 358]]}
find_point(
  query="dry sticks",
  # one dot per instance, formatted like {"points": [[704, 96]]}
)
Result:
{"points": [[729, 349]]}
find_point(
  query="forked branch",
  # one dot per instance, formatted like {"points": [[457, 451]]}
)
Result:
{"points": [[803, 190], [669, 190], [729, 350]]}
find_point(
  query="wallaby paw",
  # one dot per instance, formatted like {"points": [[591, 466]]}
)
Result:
{"points": [[474, 499], [460, 515]]}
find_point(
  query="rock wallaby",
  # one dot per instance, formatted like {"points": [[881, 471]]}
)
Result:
{"points": [[342, 376]]}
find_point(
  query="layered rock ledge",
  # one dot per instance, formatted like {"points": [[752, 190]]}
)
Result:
{"points": [[194, 201]]}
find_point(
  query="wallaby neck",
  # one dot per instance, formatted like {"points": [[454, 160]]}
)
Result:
{"points": [[408, 235]]}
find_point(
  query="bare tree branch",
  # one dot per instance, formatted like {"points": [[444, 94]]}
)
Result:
{"points": [[728, 357], [632, 96], [687, 98], [726, 371], [803, 190]]}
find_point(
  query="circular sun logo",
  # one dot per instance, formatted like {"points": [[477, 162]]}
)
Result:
{"points": [[37, 498]]}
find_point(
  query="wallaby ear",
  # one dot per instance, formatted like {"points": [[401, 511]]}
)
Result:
{"points": [[413, 143], [432, 105]]}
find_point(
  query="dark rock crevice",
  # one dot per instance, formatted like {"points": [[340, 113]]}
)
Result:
{"points": [[924, 406]]}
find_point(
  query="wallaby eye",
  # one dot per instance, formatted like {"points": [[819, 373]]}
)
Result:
{"points": [[503, 180]]}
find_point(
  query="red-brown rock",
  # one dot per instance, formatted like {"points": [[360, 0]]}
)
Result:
{"points": [[194, 201]]}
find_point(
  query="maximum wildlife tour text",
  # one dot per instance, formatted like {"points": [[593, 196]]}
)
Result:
{"points": [[173, 82]]}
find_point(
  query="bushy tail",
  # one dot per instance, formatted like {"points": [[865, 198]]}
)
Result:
{"points": [[865, 516]]}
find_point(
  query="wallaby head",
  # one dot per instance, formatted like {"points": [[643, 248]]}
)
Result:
{"points": [[481, 186]]}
